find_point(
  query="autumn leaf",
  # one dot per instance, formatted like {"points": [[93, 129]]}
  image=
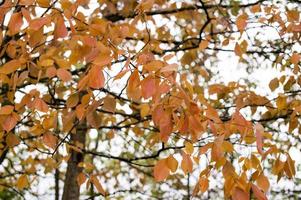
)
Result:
{"points": [[239, 194], [133, 90], [15, 23], [148, 87], [96, 78], [172, 163], [60, 30], [186, 163], [161, 170], [263, 182], [109, 104], [6, 110], [203, 184], [64, 75], [10, 121], [258, 193], [50, 140], [81, 178], [38, 23], [259, 131], [95, 181], [22, 182], [12, 140], [241, 22], [10, 67]]}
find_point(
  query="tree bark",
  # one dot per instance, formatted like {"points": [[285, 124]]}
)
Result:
{"points": [[71, 188]]}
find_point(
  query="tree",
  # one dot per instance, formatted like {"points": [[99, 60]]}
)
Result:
{"points": [[125, 99]]}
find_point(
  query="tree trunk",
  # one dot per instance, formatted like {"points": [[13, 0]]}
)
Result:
{"points": [[71, 188]]}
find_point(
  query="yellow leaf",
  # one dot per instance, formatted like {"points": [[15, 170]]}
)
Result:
{"points": [[172, 163], [144, 110], [227, 147], [188, 147], [22, 182], [46, 62], [281, 102]]}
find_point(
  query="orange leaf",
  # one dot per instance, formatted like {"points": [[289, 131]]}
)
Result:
{"points": [[295, 58], [263, 182], [94, 180], [258, 193], [172, 163], [186, 163], [161, 170], [10, 122], [188, 147], [6, 110], [40, 105], [133, 90], [96, 78], [10, 67], [15, 23], [22, 182], [72, 101], [239, 194], [60, 30], [241, 22], [204, 184], [50, 140], [148, 87], [259, 130], [81, 178], [64, 75], [38, 23], [203, 44], [12, 140]]}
